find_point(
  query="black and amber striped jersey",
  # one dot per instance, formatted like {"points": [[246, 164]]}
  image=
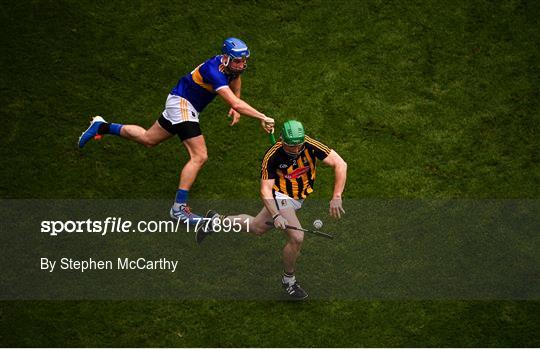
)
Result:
{"points": [[294, 176]]}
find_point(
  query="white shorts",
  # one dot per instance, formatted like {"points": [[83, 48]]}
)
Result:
{"points": [[178, 109], [284, 201]]}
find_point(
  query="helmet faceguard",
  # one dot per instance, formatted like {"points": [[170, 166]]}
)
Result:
{"points": [[236, 54], [240, 64], [298, 149]]}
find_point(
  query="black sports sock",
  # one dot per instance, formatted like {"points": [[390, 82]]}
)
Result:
{"points": [[104, 128]]}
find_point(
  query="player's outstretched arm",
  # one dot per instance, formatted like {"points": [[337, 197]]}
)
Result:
{"points": [[243, 108], [340, 170], [236, 87]]}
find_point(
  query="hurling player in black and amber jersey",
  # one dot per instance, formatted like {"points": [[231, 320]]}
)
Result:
{"points": [[289, 169], [293, 175]]}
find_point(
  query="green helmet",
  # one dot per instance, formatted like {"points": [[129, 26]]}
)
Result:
{"points": [[292, 132]]}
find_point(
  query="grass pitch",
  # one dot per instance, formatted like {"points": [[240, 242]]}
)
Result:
{"points": [[423, 100]]}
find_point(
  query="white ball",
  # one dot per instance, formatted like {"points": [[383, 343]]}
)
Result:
{"points": [[317, 224]]}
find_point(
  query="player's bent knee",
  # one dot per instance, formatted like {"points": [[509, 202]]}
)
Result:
{"points": [[150, 143], [296, 238], [200, 159], [204, 158]]}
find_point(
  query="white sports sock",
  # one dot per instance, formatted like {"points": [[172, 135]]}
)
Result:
{"points": [[290, 280]]}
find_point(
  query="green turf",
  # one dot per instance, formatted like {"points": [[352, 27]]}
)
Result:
{"points": [[423, 100], [212, 324]]}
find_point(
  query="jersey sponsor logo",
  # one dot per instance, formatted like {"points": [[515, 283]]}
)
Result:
{"points": [[297, 173], [283, 166]]}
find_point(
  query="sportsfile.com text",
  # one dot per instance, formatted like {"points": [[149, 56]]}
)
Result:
{"points": [[120, 225]]}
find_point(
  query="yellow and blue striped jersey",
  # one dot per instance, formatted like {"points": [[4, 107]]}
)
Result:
{"points": [[199, 87]]}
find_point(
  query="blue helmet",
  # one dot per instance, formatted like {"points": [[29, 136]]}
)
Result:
{"points": [[235, 48]]}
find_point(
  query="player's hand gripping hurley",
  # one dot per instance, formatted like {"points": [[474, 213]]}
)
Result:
{"points": [[271, 137]]}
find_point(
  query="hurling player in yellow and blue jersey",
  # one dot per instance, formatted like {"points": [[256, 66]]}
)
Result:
{"points": [[288, 173], [219, 75]]}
